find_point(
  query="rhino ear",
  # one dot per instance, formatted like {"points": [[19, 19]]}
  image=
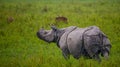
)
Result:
{"points": [[54, 28]]}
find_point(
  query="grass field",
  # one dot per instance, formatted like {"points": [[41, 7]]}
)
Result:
{"points": [[20, 47]]}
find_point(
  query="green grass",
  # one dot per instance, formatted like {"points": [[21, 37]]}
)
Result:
{"points": [[20, 47]]}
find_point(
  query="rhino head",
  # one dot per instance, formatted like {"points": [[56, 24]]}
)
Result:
{"points": [[47, 35], [52, 35]]}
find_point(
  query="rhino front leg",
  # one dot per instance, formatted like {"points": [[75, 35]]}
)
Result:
{"points": [[66, 53]]}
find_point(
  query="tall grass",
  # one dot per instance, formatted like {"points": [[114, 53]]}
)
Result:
{"points": [[20, 47]]}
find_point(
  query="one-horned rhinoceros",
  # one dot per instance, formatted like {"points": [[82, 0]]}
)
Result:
{"points": [[88, 42]]}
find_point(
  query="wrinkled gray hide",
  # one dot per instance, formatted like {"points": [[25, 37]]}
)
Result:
{"points": [[88, 42]]}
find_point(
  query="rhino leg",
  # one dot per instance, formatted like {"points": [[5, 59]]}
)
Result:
{"points": [[105, 54], [106, 46], [66, 53], [96, 57]]}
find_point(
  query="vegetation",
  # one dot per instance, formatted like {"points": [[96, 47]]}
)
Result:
{"points": [[21, 19]]}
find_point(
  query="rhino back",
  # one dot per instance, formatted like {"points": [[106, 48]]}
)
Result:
{"points": [[92, 30]]}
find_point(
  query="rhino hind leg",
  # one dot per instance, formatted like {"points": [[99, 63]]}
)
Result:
{"points": [[97, 57], [106, 46], [105, 54], [92, 46]]}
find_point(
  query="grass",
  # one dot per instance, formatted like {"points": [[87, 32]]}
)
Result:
{"points": [[20, 47]]}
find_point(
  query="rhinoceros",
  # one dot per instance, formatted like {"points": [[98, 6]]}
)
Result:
{"points": [[88, 42]]}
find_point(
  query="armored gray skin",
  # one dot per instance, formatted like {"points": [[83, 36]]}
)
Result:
{"points": [[88, 42]]}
